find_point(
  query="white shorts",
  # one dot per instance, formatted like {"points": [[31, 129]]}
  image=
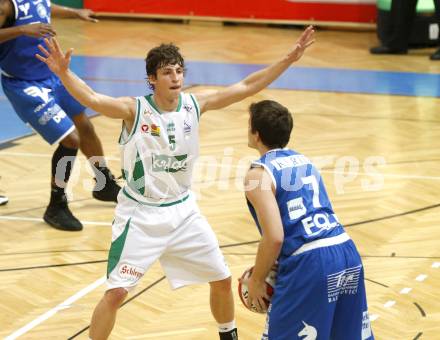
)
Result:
{"points": [[178, 235]]}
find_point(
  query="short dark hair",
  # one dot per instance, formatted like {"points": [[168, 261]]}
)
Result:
{"points": [[160, 56], [272, 121]]}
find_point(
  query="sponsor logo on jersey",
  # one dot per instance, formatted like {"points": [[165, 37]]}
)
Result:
{"points": [[186, 127], [316, 224], [155, 130], [42, 106], [188, 107], [366, 326], [308, 332], [25, 9], [171, 128], [42, 11], [345, 282], [34, 91], [147, 112], [129, 272], [296, 208], [144, 128], [55, 113], [293, 161], [169, 163]]}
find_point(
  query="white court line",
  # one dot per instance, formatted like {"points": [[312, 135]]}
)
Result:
{"points": [[43, 155], [405, 290], [421, 277], [66, 304], [374, 317], [32, 219], [389, 304]]}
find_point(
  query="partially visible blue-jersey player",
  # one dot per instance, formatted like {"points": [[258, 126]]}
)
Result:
{"points": [[320, 291], [39, 99]]}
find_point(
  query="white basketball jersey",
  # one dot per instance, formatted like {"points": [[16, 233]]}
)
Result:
{"points": [[159, 153]]}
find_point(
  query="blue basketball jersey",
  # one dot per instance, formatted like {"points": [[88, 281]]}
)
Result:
{"points": [[17, 56], [306, 211]]}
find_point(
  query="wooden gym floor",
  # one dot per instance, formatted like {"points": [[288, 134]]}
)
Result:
{"points": [[50, 280]]}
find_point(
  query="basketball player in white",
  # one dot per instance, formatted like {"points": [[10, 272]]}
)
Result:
{"points": [[157, 217]]}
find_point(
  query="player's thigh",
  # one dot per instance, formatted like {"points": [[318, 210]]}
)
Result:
{"points": [[193, 254], [35, 103]]}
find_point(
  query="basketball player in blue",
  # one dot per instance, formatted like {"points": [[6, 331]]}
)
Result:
{"points": [[39, 99], [319, 292]]}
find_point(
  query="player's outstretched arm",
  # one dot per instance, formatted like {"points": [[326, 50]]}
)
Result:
{"points": [[259, 191], [68, 12], [257, 81], [58, 63]]}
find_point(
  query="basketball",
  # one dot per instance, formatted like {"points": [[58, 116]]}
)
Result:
{"points": [[244, 293]]}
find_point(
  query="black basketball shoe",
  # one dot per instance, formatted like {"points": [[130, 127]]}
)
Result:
{"points": [[59, 216], [231, 335], [106, 191]]}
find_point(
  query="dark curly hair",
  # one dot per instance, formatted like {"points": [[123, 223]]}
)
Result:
{"points": [[272, 121], [160, 56]]}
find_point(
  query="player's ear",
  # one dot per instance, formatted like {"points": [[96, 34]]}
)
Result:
{"points": [[257, 137]]}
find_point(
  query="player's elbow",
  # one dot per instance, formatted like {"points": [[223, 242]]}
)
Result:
{"points": [[275, 241]]}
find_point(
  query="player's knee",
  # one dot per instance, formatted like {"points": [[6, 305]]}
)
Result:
{"points": [[221, 286], [85, 128], [71, 141], [115, 297]]}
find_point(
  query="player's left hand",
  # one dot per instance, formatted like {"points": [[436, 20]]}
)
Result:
{"points": [[86, 14], [53, 56], [257, 295], [305, 40]]}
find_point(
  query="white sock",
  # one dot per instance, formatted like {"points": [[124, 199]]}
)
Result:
{"points": [[226, 327]]}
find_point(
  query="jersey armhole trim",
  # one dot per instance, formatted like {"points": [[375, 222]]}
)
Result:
{"points": [[264, 166], [134, 127], [196, 104]]}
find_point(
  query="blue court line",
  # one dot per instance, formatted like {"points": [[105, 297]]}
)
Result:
{"points": [[126, 76]]}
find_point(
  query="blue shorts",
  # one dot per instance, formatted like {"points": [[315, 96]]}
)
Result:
{"points": [[44, 104], [320, 295]]}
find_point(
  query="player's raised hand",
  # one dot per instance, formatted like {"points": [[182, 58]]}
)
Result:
{"points": [[53, 56], [305, 40]]}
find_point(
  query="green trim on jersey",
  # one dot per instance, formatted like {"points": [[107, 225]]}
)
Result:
{"points": [[138, 175], [150, 100], [133, 129], [196, 104], [116, 248], [152, 204]]}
